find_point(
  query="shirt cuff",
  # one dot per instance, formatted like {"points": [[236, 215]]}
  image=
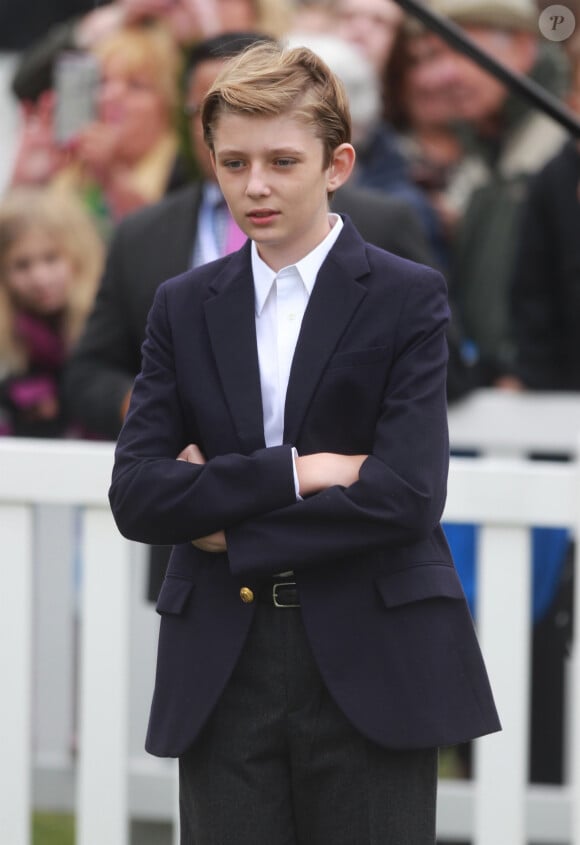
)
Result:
{"points": [[295, 472]]}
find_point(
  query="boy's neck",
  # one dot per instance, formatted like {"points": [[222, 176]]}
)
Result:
{"points": [[277, 259]]}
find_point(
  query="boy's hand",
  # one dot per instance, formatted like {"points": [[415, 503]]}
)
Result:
{"points": [[326, 469], [191, 454], [214, 543]]}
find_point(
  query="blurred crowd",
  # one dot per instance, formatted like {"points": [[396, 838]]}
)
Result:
{"points": [[98, 105], [107, 188]]}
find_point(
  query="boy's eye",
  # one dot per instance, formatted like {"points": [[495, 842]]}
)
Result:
{"points": [[233, 165], [284, 162]]}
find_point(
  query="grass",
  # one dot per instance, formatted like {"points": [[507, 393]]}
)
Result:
{"points": [[449, 764], [52, 829]]}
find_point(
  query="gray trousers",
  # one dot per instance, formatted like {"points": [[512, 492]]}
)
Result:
{"points": [[279, 764]]}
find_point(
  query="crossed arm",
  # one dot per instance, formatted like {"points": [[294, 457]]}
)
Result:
{"points": [[348, 505], [315, 473]]}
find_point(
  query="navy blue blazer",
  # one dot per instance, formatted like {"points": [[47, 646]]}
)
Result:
{"points": [[382, 604]]}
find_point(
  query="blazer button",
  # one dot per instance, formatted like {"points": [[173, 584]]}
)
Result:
{"points": [[246, 595]]}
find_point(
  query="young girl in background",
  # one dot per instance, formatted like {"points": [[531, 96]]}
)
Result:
{"points": [[50, 262]]}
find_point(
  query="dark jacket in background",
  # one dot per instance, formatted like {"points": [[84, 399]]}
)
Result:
{"points": [[483, 250], [24, 21], [545, 297]]}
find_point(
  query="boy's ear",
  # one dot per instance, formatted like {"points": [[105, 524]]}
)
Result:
{"points": [[341, 165]]}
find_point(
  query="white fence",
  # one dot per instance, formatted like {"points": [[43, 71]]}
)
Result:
{"points": [[57, 754]]}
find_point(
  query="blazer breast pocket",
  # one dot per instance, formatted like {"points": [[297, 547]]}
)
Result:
{"points": [[347, 402]]}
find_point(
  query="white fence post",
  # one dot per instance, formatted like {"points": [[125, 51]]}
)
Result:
{"points": [[103, 814], [16, 654], [504, 623], [55, 611]]}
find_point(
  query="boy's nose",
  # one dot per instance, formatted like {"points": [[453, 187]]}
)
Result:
{"points": [[257, 185]]}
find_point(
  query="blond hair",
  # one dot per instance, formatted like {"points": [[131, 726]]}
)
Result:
{"points": [[273, 17], [147, 47], [268, 80], [63, 218]]}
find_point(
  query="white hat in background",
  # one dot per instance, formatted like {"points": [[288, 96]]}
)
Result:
{"points": [[354, 71], [503, 14]]}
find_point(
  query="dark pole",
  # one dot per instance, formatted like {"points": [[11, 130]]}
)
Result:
{"points": [[521, 85]]}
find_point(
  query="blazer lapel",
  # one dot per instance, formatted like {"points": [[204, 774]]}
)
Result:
{"points": [[334, 300], [230, 317]]}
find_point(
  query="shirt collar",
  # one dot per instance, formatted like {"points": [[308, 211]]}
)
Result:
{"points": [[307, 268]]}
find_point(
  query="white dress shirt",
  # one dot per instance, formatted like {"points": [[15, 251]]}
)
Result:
{"points": [[281, 299]]}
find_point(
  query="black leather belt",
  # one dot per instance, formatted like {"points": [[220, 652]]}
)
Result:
{"points": [[280, 594]]}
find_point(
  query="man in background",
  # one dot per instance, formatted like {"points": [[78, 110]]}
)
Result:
{"points": [[512, 141]]}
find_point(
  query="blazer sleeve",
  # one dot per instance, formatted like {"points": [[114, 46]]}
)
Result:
{"points": [[401, 491], [159, 500]]}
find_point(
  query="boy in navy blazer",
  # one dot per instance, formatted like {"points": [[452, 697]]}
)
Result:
{"points": [[287, 435]]}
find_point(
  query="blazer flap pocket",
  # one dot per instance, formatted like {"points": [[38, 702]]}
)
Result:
{"points": [[174, 595], [427, 581]]}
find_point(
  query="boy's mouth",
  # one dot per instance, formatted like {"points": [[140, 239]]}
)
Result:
{"points": [[262, 215]]}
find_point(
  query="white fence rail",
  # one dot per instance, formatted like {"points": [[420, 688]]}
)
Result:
{"points": [[58, 753]]}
